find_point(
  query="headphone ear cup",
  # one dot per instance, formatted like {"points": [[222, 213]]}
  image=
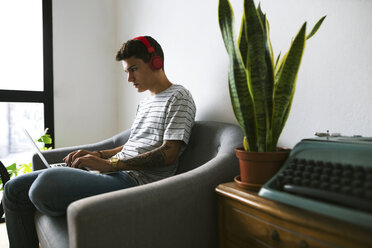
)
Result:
{"points": [[156, 62]]}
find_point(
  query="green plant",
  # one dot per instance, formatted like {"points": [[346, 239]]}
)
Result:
{"points": [[46, 140], [14, 169], [261, 91]]}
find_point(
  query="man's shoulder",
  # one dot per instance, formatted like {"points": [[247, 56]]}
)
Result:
{"points": [[179, 91]]}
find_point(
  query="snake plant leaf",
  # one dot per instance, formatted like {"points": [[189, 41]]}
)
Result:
{"points": [[278, 65], [268, 41], [240, 95], [315, 28], [286, 84], [242, 41], [261, 73], [266, 27], [269, 56], [261, 92], [279, 68], [277, 62]]}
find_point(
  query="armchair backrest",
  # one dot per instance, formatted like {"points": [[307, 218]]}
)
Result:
{"points": [[207, 140]]}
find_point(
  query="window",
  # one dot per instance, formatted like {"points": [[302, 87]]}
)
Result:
{"points": [[26, 76]]}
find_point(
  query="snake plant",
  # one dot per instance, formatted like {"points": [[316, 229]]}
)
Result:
{"points": [[261, 89]]}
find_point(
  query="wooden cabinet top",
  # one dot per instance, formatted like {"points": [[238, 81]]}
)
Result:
{"points": [[291, 218]]}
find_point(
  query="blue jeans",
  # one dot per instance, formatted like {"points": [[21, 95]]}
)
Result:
{"points": [[50, 191]]}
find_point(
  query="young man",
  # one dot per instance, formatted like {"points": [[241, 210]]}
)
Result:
{"points": [[159, 134]]}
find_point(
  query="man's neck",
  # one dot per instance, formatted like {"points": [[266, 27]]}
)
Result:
{"points": [[162, 84]]}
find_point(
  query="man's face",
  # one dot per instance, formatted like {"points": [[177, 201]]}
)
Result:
{"points": [[139, 73]]}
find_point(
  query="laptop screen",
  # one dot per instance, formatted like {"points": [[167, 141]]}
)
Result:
{"points": [[36, 148]]}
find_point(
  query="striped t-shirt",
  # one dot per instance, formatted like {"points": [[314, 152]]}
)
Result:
{"points": [[168, 115]]}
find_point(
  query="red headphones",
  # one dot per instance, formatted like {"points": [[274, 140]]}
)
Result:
{"points": [[156, 62]]}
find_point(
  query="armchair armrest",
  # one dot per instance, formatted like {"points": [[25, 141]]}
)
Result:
{"points": [[180, 211], [56, 155]]}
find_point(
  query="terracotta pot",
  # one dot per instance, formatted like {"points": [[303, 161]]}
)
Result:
{"points": [[259, 167]]}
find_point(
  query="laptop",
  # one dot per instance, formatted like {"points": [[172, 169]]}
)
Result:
{"points": [[45, 162]]}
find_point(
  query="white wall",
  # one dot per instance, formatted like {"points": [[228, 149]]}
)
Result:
{"points": [[334, 82], [194, 53], [85, 71], [332, 89]]}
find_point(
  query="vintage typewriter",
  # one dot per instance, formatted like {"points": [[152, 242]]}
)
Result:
{"points": [[330, 175]]}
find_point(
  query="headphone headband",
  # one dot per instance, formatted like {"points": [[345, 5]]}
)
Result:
{"points": [[150, 49], [156, 62]]}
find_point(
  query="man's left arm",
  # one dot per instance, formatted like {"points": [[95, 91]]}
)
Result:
{"points": [[164, 155]]}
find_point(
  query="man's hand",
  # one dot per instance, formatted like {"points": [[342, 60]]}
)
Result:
{"points": [[71, 157], [93, 163]]}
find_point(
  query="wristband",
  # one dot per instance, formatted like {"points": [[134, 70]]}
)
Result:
{"points": [[114, 163]]}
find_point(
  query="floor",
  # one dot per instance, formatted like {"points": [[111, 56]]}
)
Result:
{"points": [[3, 236]]}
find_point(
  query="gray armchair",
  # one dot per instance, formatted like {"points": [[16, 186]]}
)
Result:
{"points": [[180, 211]]}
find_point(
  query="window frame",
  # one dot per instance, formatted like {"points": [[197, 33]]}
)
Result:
{"points": [[46, 96]]}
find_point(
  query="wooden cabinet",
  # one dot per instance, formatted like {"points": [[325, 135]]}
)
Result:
{"points": [[247, 220]]}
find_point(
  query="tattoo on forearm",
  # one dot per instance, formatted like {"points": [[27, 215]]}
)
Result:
{"points": [[154, 159]]}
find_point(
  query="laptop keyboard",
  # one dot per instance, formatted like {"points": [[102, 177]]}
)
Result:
{"points": [[58, 165]]}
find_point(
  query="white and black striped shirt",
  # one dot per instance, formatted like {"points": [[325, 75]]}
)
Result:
{"points": [[168, 115]]}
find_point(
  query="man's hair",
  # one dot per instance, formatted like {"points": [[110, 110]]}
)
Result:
{"points": [[137, 49]]}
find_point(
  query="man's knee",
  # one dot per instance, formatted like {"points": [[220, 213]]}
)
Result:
{"points": [[45, 190], [18, 187], [9, 192], [15, 194]]}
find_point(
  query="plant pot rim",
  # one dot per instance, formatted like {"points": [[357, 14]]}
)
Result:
{"points": [[279, 150]]}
